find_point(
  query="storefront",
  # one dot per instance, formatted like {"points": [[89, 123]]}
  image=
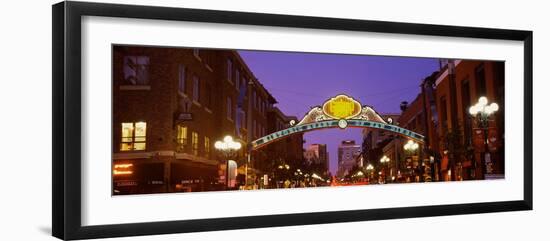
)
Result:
{"points": [[189, 176]]}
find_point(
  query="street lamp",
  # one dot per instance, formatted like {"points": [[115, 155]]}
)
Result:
{"points": [[229, 148], [370, 169], [384, 160], [411, 147], [358, 174], [482, 112]]}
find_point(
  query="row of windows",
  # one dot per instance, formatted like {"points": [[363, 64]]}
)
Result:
{"points": [[257, 129], [204, 58], [465, 96], [182, 82], [136, 72], [259, 104], [241, 85], [182, 141], [196, 87], [134, 138]]}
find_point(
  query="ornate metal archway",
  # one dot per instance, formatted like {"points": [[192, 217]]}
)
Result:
{"points": [[341, 112]]}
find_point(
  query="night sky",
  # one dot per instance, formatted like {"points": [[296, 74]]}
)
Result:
{"points": [[300, 81]]}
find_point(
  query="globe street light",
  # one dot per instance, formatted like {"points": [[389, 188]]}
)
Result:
{"points": [[358, 175], [482, 112], [411, 147], [370, 169], [228, 148], [384, 160]]}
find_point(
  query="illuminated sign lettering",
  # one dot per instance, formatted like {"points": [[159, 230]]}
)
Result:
{"points": [[342, 107]]}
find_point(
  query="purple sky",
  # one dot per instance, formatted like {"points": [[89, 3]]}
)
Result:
{"points": [[301, 80]]}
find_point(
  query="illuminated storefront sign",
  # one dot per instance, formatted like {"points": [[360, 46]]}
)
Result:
{"points": [[123, 169]]}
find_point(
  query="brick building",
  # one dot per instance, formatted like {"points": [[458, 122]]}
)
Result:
{"points": [[378, 142], [170, 106], [286, 151], [440, 113], [373, 137], [457, 88], [411, 163]]}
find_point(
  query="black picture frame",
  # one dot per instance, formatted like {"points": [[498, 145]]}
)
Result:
{"points": [[66, 128]]}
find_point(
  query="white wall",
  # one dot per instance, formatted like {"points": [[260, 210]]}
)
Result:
{"points": [[25, 134]]}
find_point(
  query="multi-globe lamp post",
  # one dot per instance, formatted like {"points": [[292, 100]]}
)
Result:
{"points": [[370, 170], [283, 173], [384, 161], [482, 111], [229, 149], [411, 147]]}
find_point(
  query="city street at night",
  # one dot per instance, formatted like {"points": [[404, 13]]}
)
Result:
{"points": [[194, 120]]}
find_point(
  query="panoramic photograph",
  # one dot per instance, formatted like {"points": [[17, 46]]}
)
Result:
{"points": [[199, 120]]}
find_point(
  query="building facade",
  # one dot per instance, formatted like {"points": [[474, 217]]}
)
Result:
{"points": [[348, 156], [461, 139], [411, 163], [454, 142], [170, 106], [317, 155], [286, 151], [375, 141], [373, 137], [454, 146]]}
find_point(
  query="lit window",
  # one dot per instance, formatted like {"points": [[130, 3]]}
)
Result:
{"points": [[196, 91], [230, 70], [195, 143], [206, 147], [181, 138], [136, 70], [181, 83], [229, 108], [133, 136]]}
